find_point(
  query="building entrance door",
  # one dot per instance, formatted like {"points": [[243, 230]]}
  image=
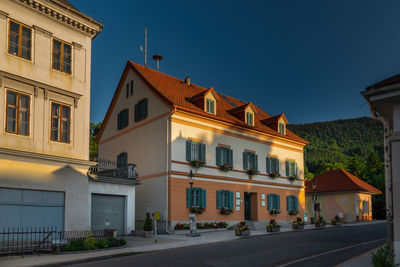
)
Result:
{"points": [[247, 206]]}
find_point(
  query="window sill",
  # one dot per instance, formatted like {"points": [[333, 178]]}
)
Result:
{"points": [[21, 58]]}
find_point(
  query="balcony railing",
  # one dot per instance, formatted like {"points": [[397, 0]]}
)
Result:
{"points": [[110, 168]]}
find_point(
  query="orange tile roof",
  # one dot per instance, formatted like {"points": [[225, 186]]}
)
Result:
{"points": [[339, 181], [178, 94]]}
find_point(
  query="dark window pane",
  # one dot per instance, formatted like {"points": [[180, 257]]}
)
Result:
{"points": [[66, 112], [26, 54], [56, 55], [11, 119], [23, 128], [14, 27], [54, 134], [26, 33], [24, 101], [12, 98], [55, 109]]}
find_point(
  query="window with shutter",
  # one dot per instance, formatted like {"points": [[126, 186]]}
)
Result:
{"points": [[291, 168], [224, 156], [250, 161], [141, 110], [123, 119], [197, 197]]}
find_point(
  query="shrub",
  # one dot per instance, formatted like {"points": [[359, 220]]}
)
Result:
{"points": [[101, 244], [75, 245], [147, 224], [115, 242], [90, 243], [383, 257]]}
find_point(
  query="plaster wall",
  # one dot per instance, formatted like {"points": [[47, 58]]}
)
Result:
{"points": [[44, 85], [120, 190], [23, 173], [145, 142]]}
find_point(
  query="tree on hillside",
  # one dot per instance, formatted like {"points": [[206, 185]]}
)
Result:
{"points": [[93, 146], [357, 166]]}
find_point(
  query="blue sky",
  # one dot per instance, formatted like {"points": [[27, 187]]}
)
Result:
{"points": [[308, 59]]}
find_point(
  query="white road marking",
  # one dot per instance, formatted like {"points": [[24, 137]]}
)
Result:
{"points": [[330, 251]]}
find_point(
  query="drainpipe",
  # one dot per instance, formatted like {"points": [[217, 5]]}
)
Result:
{"points": [[388, 174], [168, 167]]}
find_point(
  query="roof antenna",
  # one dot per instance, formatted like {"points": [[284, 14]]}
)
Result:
{"points": [[157, 58], [145, 47]]}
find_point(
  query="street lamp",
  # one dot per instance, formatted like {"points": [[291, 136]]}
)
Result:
{"points": [[314, 186], [192, 216]]}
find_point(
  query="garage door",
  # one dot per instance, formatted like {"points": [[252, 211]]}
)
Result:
{"points": [[108, 212], [31, 208]]}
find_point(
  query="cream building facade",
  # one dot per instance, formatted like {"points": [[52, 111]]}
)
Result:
{"points": [[384, 100], [181, 126], [45, 63]]}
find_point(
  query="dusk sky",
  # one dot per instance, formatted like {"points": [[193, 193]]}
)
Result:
{"points": [[308, 59]]}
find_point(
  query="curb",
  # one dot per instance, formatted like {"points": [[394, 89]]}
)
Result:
{"points": [[355, 258]]}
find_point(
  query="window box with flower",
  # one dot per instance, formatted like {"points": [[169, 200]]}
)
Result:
{"points": [[273, 226], [320, 222], [298, 224], [242, 229], [226, 167], [252, 172], [196, 163], [274, 211], [274, 175], [226, 211], [197, 210]]}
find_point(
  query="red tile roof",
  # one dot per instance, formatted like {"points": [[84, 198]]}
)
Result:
{"points": [[389, 81], [339, 181], [178, 94]]}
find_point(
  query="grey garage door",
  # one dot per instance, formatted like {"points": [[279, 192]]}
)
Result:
{"points": [[31, 208], [108, 212]]}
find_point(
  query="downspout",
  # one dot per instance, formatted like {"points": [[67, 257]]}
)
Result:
{"points": [[168, 168], [388, 174]]}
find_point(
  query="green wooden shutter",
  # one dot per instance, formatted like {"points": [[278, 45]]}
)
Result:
{"points": [[255, 158], [145, 108], [269, 202], [277, 165], [230, 157], [296, 203], [287, 169], [203, 198], [278, 202], [136, 113], [245, 161], [188, 198], [119, 121], [231, 200], [219, 193], [218, 156], [287, 202], [188, 150], [295, 169], [203, 152], [268, 164]]}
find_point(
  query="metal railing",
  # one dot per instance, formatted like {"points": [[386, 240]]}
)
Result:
{"points": [[110, 168], [31, 240]]}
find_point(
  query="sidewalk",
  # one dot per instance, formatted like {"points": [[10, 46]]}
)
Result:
{"points": [[362, 260], [140, 245]]}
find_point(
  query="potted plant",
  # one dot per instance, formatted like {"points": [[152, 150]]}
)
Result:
{"points": [[196, 210], [293, 212], [273, 226], [196, 163], [226, 211], [252, 172], [320, 222], [336, 221], [242, 229], [274, 211], [298, 224], [274, 175], [292, 178], [148, 226], [226, 167]]}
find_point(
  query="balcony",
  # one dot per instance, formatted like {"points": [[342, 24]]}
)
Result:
{"points": [[111, 169]]}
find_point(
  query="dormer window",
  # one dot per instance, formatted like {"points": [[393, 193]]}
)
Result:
{"points": [[282, 128], [210, 106], [250, 118]]}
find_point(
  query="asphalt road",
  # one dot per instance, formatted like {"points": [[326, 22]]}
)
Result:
{"points": [[325, 247]]}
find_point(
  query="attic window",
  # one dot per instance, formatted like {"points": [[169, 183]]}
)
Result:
{"points": [[282, 128], [210, 107], [249, 118]]}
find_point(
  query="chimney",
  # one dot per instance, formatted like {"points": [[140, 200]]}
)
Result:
{"points": [[187, 80]]}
